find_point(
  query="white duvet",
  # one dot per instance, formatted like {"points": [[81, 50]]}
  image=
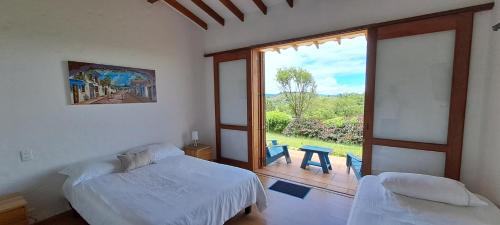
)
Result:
{"points": [[374, 205], [177, 190]]}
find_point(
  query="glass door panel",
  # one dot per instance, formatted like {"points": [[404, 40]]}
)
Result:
{"points": [[234, 145], [389, 159], [233, 92], [413, 86]]}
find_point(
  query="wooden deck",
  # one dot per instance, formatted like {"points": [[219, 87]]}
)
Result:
{"points": [[337, 180]]}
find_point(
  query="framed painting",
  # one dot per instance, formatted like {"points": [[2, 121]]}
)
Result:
{"points": [[104, 84]]}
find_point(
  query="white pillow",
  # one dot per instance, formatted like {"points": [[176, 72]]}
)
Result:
{"points": [[432, 188], [83, 171], [109, 164], [158, 151]]}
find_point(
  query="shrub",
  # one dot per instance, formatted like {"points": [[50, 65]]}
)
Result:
{"points": [[277, 121], [337, 122], [350, 131], [311, 128]]}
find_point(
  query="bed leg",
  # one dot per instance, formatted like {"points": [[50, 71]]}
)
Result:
{"points": [[248, 210]]}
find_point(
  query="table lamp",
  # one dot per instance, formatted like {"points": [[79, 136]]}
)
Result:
{"points": [[194, 137]]}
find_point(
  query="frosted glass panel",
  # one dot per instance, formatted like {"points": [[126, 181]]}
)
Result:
{"points": [[413, 87], [234, 145], [389, 159], [233, 92]]}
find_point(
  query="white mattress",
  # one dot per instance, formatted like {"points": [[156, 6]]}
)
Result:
{"points": [[177, 190], [375, 205]]}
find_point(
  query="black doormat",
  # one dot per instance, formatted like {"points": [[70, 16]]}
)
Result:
{"points": [[298, 191]]}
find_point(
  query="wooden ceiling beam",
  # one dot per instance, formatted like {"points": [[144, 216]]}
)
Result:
{"points": [[261, 6], [184, 11], [209, 11], [290, 3], [234, 9]]}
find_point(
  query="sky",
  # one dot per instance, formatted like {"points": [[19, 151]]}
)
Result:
{"points": [[120, 79], [337, 69]]}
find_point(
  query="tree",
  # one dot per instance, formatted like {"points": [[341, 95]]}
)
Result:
{"points": [[298, 87], [106, 81], [80, 76]]}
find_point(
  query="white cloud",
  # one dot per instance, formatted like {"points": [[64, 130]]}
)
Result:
{"points": [[327, 64]]}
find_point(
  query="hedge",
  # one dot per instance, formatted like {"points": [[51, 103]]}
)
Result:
{"points": [[350, 131], [277, 121]]}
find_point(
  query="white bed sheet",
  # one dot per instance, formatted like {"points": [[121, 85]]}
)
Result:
{"points": [[375, 205], [177, 190]]}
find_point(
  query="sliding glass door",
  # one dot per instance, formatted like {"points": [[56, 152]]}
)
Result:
{"points": [[417, 75]]}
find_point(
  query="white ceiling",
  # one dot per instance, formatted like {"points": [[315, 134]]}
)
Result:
{"points": [[246, 6]]}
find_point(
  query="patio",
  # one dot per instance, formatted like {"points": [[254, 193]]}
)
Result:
{"points": [[337, 180]]}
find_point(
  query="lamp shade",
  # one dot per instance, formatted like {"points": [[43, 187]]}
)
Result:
{"points": [[194, 135]]}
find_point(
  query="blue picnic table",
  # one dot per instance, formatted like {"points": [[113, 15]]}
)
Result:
{"points": [[324, 160]]}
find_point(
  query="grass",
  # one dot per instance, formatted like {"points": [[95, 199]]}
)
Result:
{"points": [[295, 143]]}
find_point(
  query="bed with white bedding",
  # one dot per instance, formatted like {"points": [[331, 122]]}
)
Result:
{"points": [[175, 190], [375, 205]]}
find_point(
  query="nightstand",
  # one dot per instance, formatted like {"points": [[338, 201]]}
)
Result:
{"points": [[13, 210], [201, 151]]}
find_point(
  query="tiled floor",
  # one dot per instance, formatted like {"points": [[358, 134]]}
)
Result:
{"points": [[337, 180]]}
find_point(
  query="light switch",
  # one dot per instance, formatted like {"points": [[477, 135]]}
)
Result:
{"points": [[26, 155]]}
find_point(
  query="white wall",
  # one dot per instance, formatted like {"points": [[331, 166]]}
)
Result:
{"points": [[480, 72], [488, 167], [37, 37], [480, 171]]}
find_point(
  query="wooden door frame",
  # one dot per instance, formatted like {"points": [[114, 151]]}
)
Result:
{"points": [[252, 90], [263, 155], [462, 25], [226, 57], [260, 98]]}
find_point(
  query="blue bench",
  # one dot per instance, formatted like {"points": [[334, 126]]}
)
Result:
{"points": [[276, 151], [324, 160], [355, 163]]}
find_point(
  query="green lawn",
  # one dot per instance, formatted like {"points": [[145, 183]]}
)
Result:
{"points": [[295, 142]]}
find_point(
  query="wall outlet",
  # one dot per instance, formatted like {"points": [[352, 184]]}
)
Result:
{"points": [[26, 155]]}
